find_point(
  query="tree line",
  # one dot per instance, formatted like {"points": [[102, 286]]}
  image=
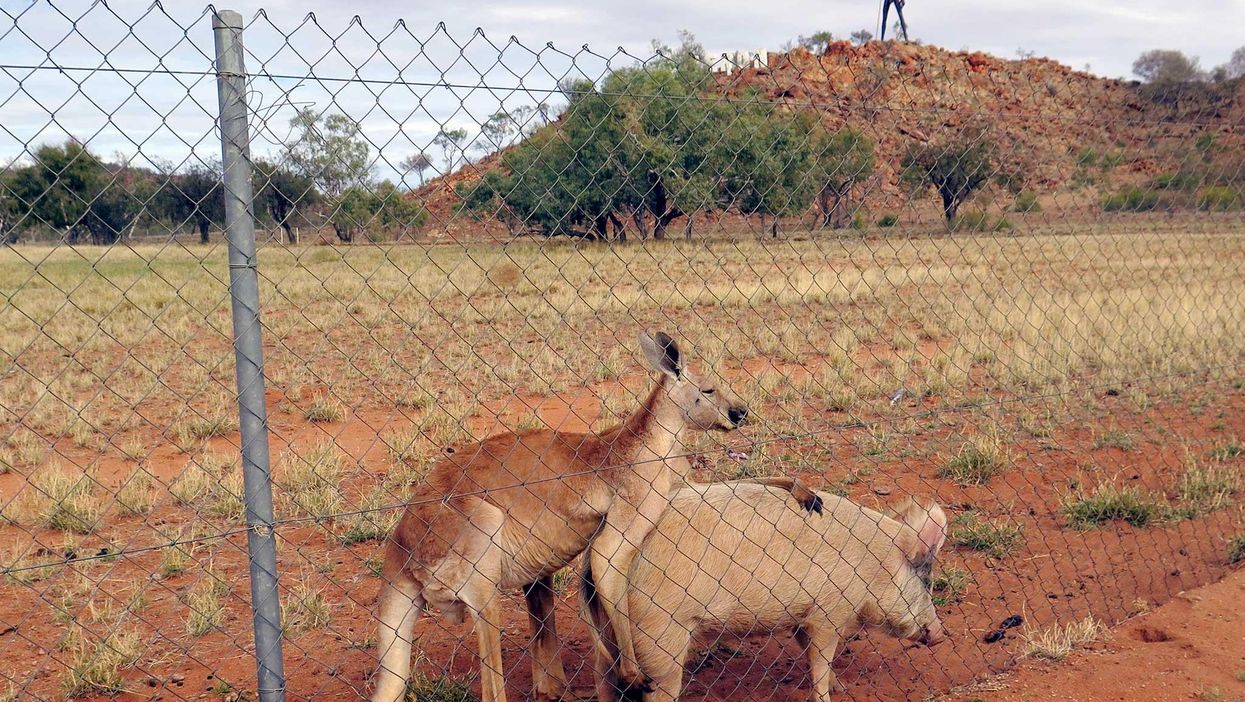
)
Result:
{"points": [[323, 178]]}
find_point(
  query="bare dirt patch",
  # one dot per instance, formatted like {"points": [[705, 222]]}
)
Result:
{"points": [[1192, 648]]}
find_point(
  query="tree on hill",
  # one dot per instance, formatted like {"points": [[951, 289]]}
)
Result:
{"points": [[815, 42], [416, 163], [955, 168], [1163, 67], [450, 142], [636, 147], [1235, 67]]}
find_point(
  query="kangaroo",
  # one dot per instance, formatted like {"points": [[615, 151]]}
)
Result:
{"points": [[737, 559], [511, 510]]}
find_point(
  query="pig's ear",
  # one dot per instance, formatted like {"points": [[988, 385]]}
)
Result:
{"points": [[928, 525]]}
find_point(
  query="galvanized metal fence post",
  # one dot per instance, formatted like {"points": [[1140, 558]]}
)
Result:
{"points": [[244, 292]]}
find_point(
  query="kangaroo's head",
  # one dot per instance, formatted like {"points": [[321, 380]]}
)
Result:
{"points": [[702, 404]]}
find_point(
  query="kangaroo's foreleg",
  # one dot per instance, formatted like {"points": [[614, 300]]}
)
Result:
{"points": [[809, 500], [610, 557], [400, 604]]}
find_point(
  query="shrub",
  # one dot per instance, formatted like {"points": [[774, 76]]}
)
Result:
{"points": [[1133, 199], [1175, 181], [1219, 198], [888, 220], [1027, 202], [972, 221]]}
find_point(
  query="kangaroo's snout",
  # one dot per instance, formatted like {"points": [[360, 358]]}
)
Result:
{"points": [[738, 415]]}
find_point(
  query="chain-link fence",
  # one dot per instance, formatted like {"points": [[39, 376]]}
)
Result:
{"points": [[266, 287]]}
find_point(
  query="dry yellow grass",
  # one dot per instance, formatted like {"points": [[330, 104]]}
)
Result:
{"points": [[1056, 642], [1123, 304]]}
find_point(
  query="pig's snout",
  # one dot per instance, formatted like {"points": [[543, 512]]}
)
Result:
{"points": [[932, 635]]}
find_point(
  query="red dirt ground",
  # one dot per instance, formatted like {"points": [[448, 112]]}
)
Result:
{"points": [[1057, 575], [1192, 648]]}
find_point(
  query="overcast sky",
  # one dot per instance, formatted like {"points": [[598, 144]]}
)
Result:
{"points": [[170, 116]]}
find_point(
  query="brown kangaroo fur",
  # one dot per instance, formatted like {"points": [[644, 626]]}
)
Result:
{"points": [[510, 511], [737, 560]]}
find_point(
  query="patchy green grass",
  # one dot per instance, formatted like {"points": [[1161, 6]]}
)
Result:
{"points": [[1117, 439], [425, 688], [134, 496], [304, 607], [1108, 502], [1233, 448], [60, 499], [206, 610], [993, 537], [94, 665], [374, 520], [1204, 489], [323, 409], [1236, 549], [979, 459], [950, 584]]}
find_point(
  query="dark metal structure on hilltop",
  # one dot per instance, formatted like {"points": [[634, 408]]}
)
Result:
{"points": [[903, 25]]}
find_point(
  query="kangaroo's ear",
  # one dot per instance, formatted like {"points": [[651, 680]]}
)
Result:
{"points": [[927, 529], [662, 354]]}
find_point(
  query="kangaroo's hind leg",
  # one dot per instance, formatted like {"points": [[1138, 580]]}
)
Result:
{"points": [[548, 677]]}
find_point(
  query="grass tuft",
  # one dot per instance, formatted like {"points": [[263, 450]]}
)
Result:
{"points": [[978, 460], [996, 539], [425, 688], [1056, 642], [311, 482], [94, 666], [373, 521], [950, 584], [1236, 549], [304, 607], [134, 495], [1204, 489], [1108, 502], [205, 605], [323, 409], [1232, 449], [63, 500], [1117, 439]]}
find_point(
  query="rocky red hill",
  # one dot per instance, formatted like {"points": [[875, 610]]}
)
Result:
{"points": [[1074, 136]]}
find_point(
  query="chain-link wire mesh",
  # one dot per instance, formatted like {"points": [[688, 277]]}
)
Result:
{"points": [[893, 274]]}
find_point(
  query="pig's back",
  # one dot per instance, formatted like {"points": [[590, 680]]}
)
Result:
{"points": [[739, 556]]}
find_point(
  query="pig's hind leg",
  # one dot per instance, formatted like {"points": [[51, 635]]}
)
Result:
{"points": [[821, 640]]}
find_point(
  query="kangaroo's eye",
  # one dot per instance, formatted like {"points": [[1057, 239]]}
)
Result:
{"points": [[708, 391]]}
